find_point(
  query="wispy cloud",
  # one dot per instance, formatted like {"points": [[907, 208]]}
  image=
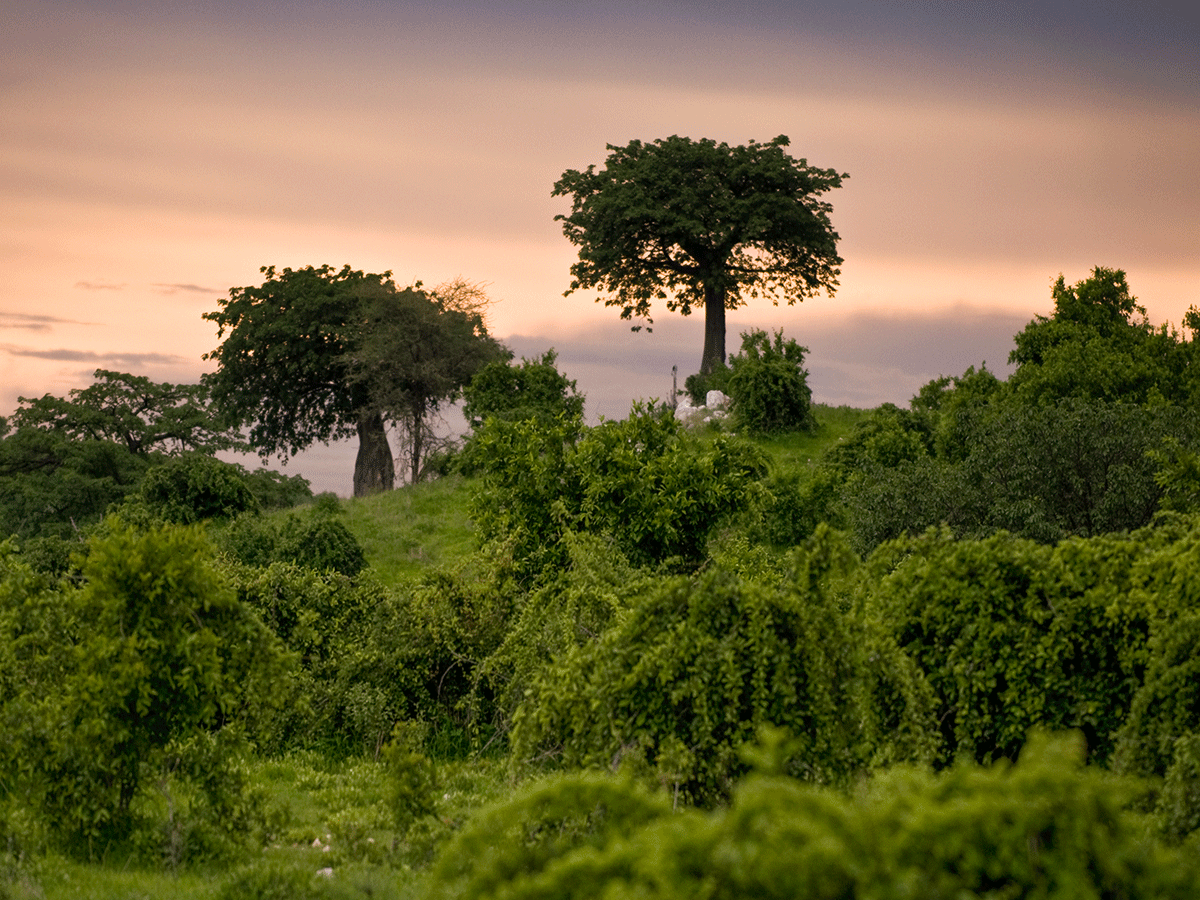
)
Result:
{"points": [[89, 356], [32, 321], [184, 289], [98, 286]]}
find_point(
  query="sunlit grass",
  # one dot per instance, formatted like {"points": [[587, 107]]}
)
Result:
{"points": [[834, 423], [414, 528]]}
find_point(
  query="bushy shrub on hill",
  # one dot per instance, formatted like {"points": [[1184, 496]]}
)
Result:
{"points": [[1011, 634], [769, 385], [312, 539], [696, 666], [658, 491], [154, 655], [1045, 827]]}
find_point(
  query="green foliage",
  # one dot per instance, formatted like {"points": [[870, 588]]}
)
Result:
{"points": [[416, 351], [411, 779], [1045, 472], [312, 539], [316, 354], [321, 616], [1011, 634], [157, 650], [514, 848], [52, 485], [1046, 827], [698, 385], [130, 410], [708, 224], [190, 489], [575, 605], [657, 490], [1093, 349], [769, 385], [696, 666], [535, 389], [421, 652]]}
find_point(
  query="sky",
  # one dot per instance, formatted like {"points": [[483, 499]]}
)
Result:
{"points": [[152, 157]]}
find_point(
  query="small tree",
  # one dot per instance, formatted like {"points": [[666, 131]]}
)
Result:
{"points": [[535, 389], [769, 385], [701, 224]]}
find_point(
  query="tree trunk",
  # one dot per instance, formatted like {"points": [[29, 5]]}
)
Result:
{"points": [[418, 445], [714, 330], [374, 470]]}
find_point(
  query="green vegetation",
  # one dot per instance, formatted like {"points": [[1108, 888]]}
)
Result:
{"points": [[948, 650]]}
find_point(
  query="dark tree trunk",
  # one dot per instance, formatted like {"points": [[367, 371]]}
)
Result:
{"points": [[418, 445], [714, 330], [374, 470]]}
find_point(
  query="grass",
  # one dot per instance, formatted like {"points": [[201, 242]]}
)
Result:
{"points": [[414, 528], [834, 423]]}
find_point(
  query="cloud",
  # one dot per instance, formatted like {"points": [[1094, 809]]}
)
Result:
{"points": [[183, 289], [98, 286], [34, 321], [89, 356]]}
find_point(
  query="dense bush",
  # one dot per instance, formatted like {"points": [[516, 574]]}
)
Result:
{"points": [[769, 385], [696, 666], [312, 539], [1044, 472], [535, 389], [1046, 827], [153, 651], [192, 488], [657, 490], [1011, 634]]}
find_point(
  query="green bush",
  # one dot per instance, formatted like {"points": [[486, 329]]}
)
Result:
{"points": [[697, 386], [312, 539], [535, 389], [695, 667], [193, 488], [1011, 634], [769, 385], [1046, 827], [658, 491], [155, 650]]}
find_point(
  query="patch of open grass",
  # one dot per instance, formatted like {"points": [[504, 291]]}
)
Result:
{"points": [[413, 528], [834, 423]]}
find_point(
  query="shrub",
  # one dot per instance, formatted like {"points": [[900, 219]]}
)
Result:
{"points": [[658, 491], [769, 386], [192, 488], [696, 666], [1045, 827], [1011, 634], [162, 651], [535, 389]]}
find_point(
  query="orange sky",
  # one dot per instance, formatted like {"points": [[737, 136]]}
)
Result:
{"points": [[151, 160]]}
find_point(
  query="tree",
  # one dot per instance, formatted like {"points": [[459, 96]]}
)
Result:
{"points": [[1100, 345], [417, 350], [305, 354], [709, 223], [144, 415]]}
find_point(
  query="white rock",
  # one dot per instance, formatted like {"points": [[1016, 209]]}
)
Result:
{"points": [[716, 400], [326, 872]]}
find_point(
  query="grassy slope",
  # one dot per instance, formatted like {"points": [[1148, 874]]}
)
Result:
{"points": [[407, 531]]}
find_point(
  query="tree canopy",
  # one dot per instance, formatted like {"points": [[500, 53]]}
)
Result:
{"points": [[701, 224], [318, 354], [132, 410]]}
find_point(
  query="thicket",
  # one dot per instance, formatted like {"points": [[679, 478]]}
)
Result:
{"points": [[695, 668]]}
